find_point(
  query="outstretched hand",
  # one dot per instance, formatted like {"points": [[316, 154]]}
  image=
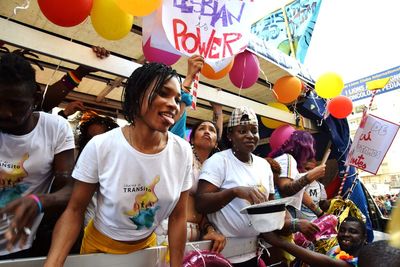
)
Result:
{"points": [[316, 173], [21, 214], [101, 53], [251, 194], [308, 229], [73, 107]]}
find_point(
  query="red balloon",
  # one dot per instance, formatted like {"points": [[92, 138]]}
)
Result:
{"points": [[66, 13], [340, 107]]}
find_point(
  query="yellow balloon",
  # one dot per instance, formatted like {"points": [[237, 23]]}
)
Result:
{"points": [[139, 7], [109, 20], [273, 124], [329, 85]]}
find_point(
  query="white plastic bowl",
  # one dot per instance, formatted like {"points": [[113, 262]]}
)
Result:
{"points": [[267, 216]]}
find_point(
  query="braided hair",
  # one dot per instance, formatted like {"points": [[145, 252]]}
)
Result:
{"points": [[138, 83]]}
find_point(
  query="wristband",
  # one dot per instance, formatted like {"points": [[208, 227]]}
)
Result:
{"points": [[318, 211], [188, 88], [295, 225], [70, 80], [37, 200]]}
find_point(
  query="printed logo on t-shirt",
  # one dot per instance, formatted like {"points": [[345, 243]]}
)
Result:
{"points": [[11, 176], [144, 207]]}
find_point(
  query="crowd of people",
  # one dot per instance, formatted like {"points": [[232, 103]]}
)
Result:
{"points": [[131, 185], [386, 203]]}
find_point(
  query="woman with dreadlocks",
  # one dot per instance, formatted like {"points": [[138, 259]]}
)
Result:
{"points": [[142, 174]]}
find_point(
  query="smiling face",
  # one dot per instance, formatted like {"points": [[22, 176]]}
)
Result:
{"points": [[351, 237], [164, 105], [244, 138], [205, 136]]}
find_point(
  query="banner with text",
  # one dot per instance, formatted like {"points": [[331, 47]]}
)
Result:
{"points": [[214, 29], [371, 143], [296, 20], [358, 90], [264, 50]]}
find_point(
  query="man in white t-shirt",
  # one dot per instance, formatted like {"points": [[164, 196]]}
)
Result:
{"points": [[36, 154]]}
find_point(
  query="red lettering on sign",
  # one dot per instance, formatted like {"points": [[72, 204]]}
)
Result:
{"points": [[359, 162], [210, 49]]}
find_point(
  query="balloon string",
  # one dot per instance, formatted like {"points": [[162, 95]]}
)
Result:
{"points": [[242, 81], [59, 64], [24, 6], [199, 252], [266, 79]]}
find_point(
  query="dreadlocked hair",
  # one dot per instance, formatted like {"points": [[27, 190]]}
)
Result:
{"points": [[16, 71], [107, 122], [141, 80]]}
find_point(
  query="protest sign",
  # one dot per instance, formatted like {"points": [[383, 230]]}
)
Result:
{"points": [[214, 29], [371, 142]]}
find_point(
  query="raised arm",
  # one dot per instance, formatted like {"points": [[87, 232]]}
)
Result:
{"points": [[289, 187], [218, 118], [60, 89]]}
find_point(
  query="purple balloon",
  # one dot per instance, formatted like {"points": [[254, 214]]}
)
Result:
{"points": [[153, 54], [244, 72]]}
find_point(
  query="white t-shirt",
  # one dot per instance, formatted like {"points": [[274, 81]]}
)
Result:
{"points": [[136, 191], [317, 192], [225, 171], [26, 162], [289, 169]]}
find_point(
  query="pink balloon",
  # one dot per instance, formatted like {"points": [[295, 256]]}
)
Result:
{"points": [[327, 228], [244, 72], [153, 54], [205, 258], [280, 135]]}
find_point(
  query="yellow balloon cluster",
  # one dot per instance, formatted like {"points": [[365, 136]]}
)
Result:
{"points": [[109, 20], [139, 7], [329, 85]]}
